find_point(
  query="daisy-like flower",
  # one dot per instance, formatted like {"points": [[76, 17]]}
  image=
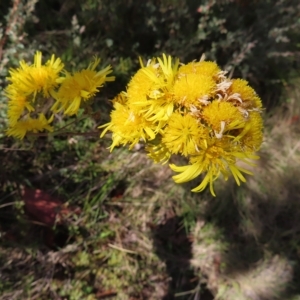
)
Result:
{"points": [[193, 110], [128, 127], [204, 68], [151, 89], [218, 158], [249, 97], [78, 87], [222, 117], [184, 134], [140, 86], [196, 83], [29, 80], [20, 129], [17, 104], [28, 85], [250, 137], [194, 89]]}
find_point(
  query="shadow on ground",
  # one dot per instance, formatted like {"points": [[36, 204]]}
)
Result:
{"points": [[173, 246], [247, 242]]}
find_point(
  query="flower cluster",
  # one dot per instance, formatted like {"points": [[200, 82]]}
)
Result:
{"points": [[193, 110], [38, 90]]}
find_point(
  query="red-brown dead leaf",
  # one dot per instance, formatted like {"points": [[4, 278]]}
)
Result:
{"points": [[45, 208]]}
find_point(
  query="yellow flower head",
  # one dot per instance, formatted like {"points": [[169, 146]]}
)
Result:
{"points": [[20, 129], [151, 89], [25, 83], [247, 94], [218, 158], [128, 127], [194, 89], [140, 86], [17, 104], [184, 134], [167, 69], [251, 136], [222, 117], [204, 68], [80, 86], [32, 79]]}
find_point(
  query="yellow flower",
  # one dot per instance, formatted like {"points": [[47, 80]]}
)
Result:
{"points": [[140, 85], [26, 82], [128, 127], [184, 134], [196, 83], [167, 70], [222, 117], [150, 90], [80, 86], [32, 79], [251, 136], [219, 158], [247, 94], [20, 129], [16, 105], [204, 68], [193, 89]]}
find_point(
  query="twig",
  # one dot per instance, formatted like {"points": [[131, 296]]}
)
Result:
{"points": [[7, 204], [121, 249], [187, 292], [74, 121], [10, 22]]}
